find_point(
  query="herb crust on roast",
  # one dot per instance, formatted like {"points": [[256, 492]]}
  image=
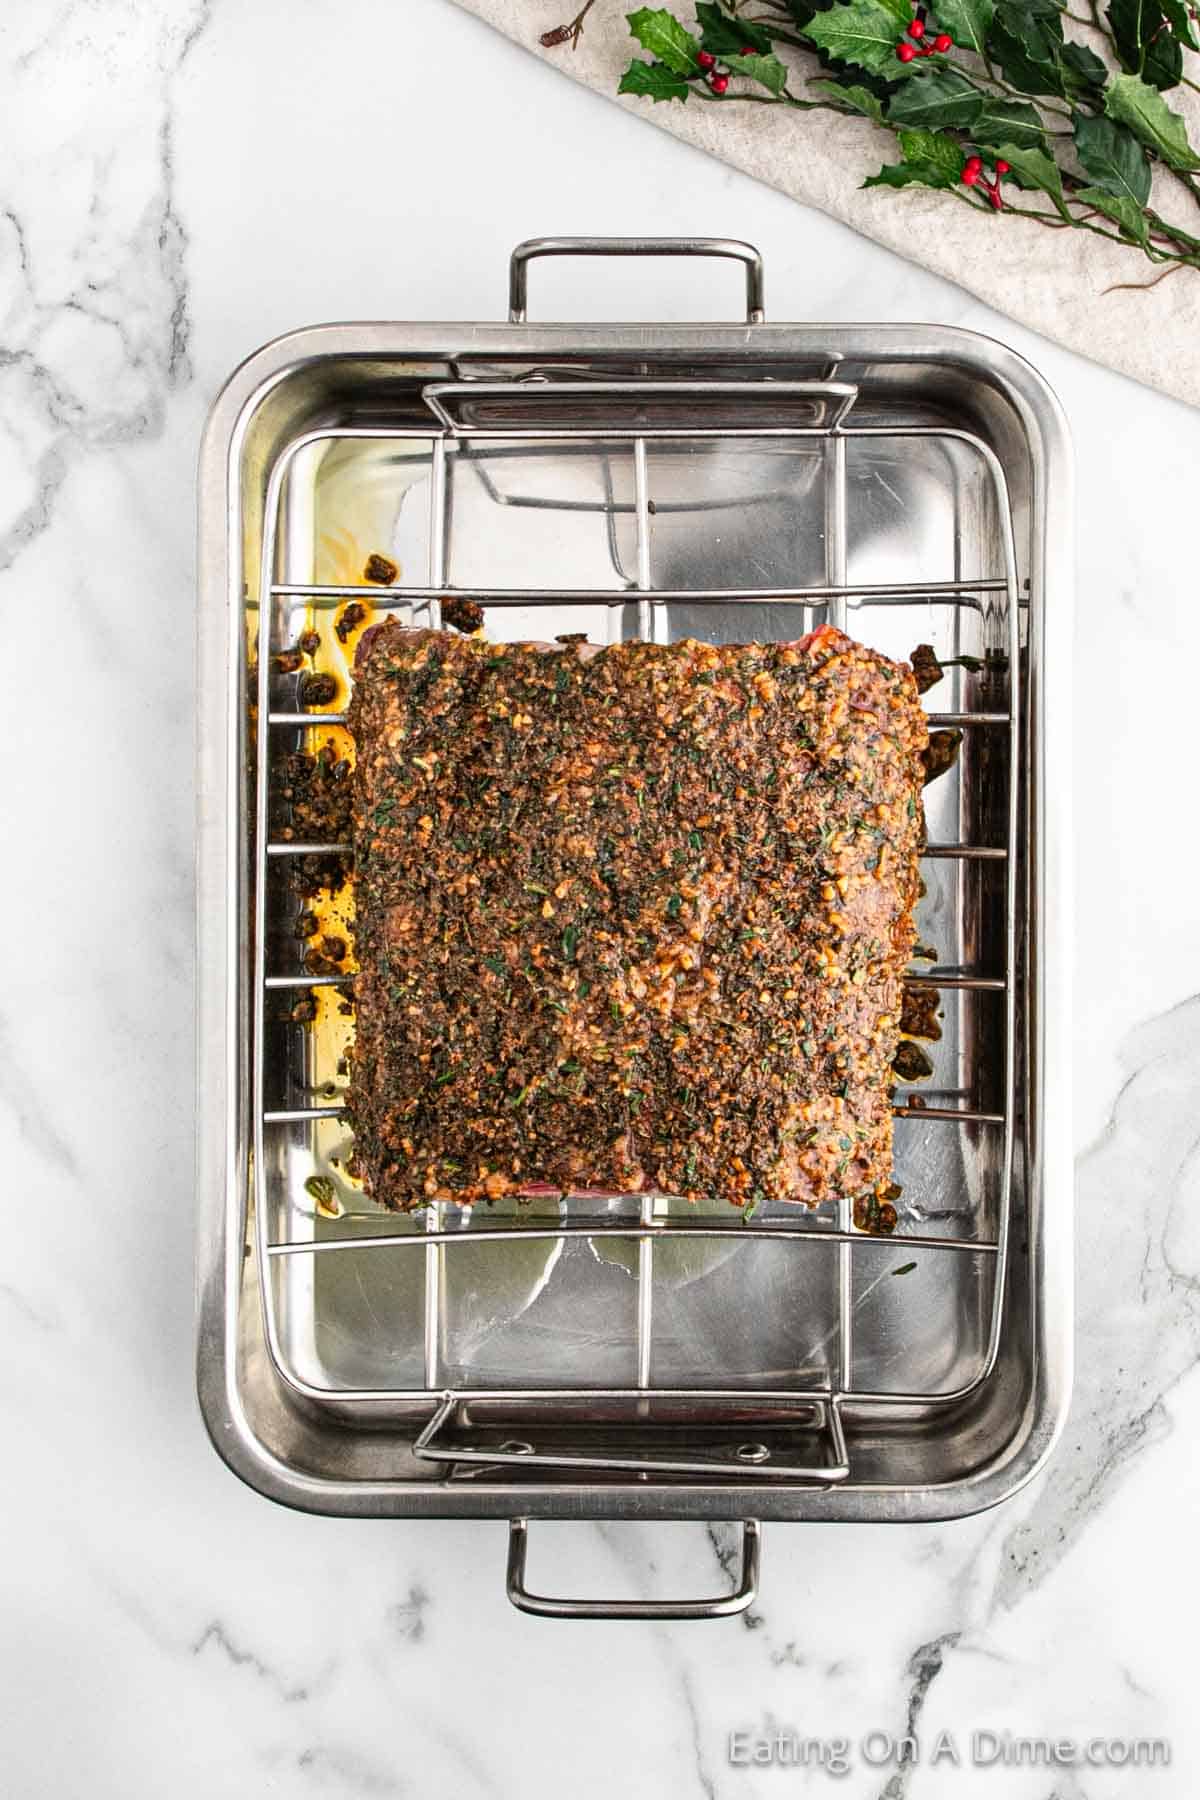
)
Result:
{"points": [[630, 918]]}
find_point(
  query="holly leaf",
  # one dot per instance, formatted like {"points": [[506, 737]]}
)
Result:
{"points": [[721, 34], [1007, 122], [1131, 102], [768, 70], [1143, 46], [967, 21], [1181, 22], [862, 32], [899, 10], [653, 81], [931, 159], [1026, 40], [850, 99], [664, 37], [1081, 68], [1122, 211], [941, 99], [1034, 169], [1113, 158]]}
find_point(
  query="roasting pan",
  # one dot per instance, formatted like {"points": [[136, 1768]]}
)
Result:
{"points": [[615, 1356]]}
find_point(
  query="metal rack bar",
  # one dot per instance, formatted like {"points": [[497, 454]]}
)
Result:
{"points": [[864, 1399], [527, 1455], [833, 594], [936, 978], [832, 399], [640, 1232], [835, 576], [971, 983], [902, 592], [297, 1115], [272, 982], [960, 1115], [835, 528]]}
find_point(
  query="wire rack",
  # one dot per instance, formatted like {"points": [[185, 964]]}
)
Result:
{"points": [[598, 416]]}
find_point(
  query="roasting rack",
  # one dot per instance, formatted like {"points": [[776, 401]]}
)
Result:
{"points": [[633, 414], [927, 1404]]}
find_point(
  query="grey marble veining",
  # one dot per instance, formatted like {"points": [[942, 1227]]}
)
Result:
{"points": [[179, 183]]}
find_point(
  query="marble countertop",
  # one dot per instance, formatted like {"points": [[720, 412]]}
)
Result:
{"points": [[181, 182]]}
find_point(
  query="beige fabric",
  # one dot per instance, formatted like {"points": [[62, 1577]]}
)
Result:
{"points": [[1054, 281]]}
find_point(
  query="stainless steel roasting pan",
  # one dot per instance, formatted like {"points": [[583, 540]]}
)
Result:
{"points": [[633, 1357]]}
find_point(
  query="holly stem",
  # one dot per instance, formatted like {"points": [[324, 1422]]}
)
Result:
{"points": [[1187, 181], [1141, 287], [1173, 231], [781, 37], [783, 99], [1078, 223], [1064, 112], [567, 34]]}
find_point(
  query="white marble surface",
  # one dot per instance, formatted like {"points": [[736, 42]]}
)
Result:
{"points": [[178, 184]]}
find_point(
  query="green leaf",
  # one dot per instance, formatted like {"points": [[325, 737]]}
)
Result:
{"points": [[862, 32], [1142, 45], [768, 70], [1008, 122], [664, 37], [1113, 158], [1034, 169], [653, 82], [1181, 22], [931, 159], [851, 99], [941, 98], [720, 33], [1081, 68], [1026, 40], [1131, 102], [1123, 212], [967, 21]]}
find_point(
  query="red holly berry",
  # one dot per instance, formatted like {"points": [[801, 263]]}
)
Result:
{"points": [[905, 52], [1002, 168], [747, 50], [706, 60], [718, 83], [943, 41], [917, 29], [969, 175], [974, 163]]}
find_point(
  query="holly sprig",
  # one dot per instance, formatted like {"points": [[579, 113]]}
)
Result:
{"points": [[990, 100]]}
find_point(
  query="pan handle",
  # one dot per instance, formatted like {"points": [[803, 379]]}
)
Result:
{"points": [[722, 1606], [523, 255]]}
